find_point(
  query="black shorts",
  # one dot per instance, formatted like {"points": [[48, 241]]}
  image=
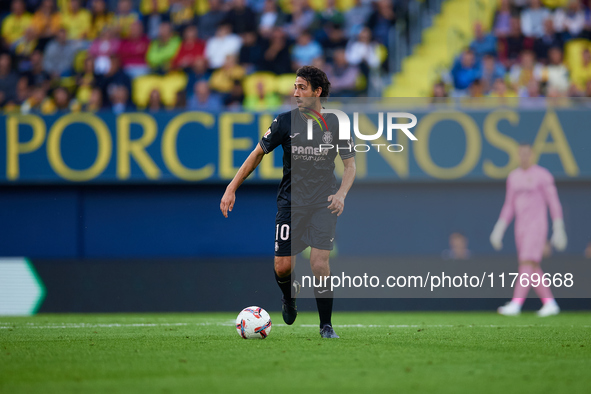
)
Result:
{"points": [[298, 228]]}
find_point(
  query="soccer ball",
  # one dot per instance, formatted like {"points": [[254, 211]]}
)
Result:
{"points": [[253, 322]]}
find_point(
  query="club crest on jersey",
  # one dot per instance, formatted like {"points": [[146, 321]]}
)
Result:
{"points": [[327, 137], [267, 133]]}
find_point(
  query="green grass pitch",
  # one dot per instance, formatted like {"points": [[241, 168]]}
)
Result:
{"points": [[378, 352]]}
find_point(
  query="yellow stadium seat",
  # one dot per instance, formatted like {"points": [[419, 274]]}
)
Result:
{"points": [[201, 7], [142, 87], [170, 85], [317, 5], [573, 52], [285, 6], [284, 84], [251, 82], [345, 5]]}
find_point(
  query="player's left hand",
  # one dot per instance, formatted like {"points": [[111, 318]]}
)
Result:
{"points": [[558, 240], [337, 203]]}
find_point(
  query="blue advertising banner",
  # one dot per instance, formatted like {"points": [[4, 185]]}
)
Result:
{"points": [[180, 147]]}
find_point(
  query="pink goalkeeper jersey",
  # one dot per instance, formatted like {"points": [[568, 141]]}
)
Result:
{"points": [[529, 194]]}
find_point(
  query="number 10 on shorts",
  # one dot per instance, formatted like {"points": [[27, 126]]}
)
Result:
{"points": [[282, 232]]}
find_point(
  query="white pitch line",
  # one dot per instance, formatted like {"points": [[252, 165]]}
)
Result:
{"points": [[231, 324]]}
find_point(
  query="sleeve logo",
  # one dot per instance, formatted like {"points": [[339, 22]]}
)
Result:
{"points": [[267, 133]]}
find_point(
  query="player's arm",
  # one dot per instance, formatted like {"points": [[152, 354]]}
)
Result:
{"points": [[507, 212], [245, 170], [337, 200], [558, 239]]}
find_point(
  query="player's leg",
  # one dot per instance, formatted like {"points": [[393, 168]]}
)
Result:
{"points": [[550, 306], [286, 239], [513, 307], [319, 262]]}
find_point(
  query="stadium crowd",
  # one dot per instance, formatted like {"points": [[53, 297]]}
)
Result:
{"points": [[524, 53], [153, 55]]}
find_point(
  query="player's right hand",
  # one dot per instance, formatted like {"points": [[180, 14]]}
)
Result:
{"points": [[227, 202], [496, 237]]}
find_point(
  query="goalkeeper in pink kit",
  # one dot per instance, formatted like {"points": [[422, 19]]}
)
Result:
{"points": [[530, 191]]}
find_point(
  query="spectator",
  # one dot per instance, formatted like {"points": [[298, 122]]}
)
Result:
{"points": [[23, 48], [191, 48], [300, 19], [119, 98], [305, 50], [325, 19], [101, 18], [133, 51], [476, 89], [222, 80], [465, 71], [85, 82], [548, 40], [356, 18], [262, 100], [269, 18], [162, 51], [112, 79], [336, 39], [251, 52], [241, 17], [532, 90], [458, 248], [61, 99], [532, 19], [77, 21], [209, 22], [557, 77], [582, 74], [38, 102], [363, 52], [234, 100], [570, 22], [513, 44], [46, 22], [521, 73], [36, 75], [342, 76], [203, 100], [16, 23], [381, 20], [155, 12], [502, 22], [155, 102], [439, 90], [491, 70], [22, 91], [500, 90], [224, 43], [96, 101], [199, 72], [483, 43], [276, 56], [125, 17], [59, 54], [8, 80], [102, 49], [182, 14]]}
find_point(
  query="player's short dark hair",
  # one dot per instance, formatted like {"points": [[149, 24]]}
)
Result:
{"points": [[316, 78]]}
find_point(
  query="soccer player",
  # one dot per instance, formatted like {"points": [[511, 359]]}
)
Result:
{"points": [[308, 199], [530, 191]]}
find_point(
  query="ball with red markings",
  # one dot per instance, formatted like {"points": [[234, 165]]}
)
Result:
{"points": [[253, 323]]}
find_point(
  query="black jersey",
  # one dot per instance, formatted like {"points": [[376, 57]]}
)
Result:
{"points": [[308, 165]]}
